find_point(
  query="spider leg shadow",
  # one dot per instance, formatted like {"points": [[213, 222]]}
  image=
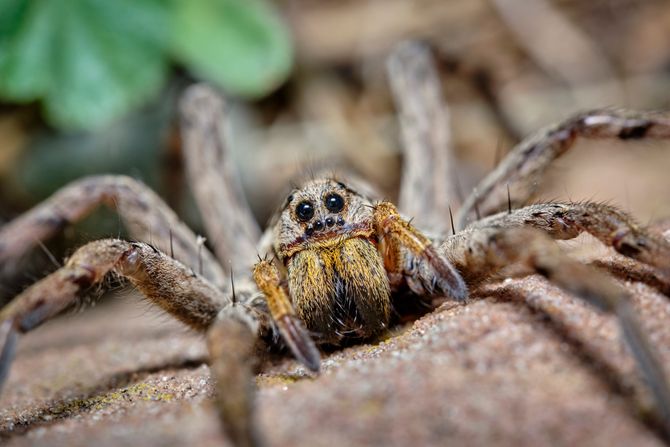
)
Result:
{"points": [[54, 410], [600, 366]]}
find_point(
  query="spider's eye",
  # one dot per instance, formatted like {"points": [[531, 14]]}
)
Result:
{"points": [[304, 211], [334, 202]]}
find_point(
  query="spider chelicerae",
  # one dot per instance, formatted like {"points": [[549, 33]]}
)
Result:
{"points": [[337, 259]]}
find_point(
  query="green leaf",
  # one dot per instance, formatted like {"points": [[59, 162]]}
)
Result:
{"points": [[90, 61], [240, 45], [25, 44]]}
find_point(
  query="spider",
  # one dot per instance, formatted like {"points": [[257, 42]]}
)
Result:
{"points": [[338, 260]]}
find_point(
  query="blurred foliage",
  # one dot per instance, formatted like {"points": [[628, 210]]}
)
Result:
{"points": [[131, 145], [91, 61], [237, 43]]}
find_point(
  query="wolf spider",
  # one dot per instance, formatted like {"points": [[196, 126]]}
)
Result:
{"points": [[339, 258]]}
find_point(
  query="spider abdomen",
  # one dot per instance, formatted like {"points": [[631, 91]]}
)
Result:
{"points": [[340, 291]]}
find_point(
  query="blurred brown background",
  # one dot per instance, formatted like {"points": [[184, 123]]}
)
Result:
{"points": [[508, 68]]}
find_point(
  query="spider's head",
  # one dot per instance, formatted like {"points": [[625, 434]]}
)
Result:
{"points": [[320, 213]]}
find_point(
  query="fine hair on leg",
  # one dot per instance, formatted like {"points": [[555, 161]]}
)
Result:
{"points": [[608, 224], [522, 169], [146, 216]]}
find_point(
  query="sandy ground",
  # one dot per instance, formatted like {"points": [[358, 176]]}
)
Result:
{"points": [[521, 364]]}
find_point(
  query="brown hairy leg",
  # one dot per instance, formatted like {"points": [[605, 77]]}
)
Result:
{"points": [[163, 280], [411, 256], [483, 251], [232, 327], [427, 187], [231, 342], [144, 214], [521, 170], [608, 224], [212, 176], [630, 270], [269, 281], [234, 235]]}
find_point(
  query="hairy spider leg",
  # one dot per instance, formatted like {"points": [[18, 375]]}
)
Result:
{"points": [[521, 170], [411, 256], [267, 277]]}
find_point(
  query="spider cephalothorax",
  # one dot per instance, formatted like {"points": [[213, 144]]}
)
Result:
{"points": [[343, 256], [326, 240]]}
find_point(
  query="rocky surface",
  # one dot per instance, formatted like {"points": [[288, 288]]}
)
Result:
{"points": [[521, 364]]}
